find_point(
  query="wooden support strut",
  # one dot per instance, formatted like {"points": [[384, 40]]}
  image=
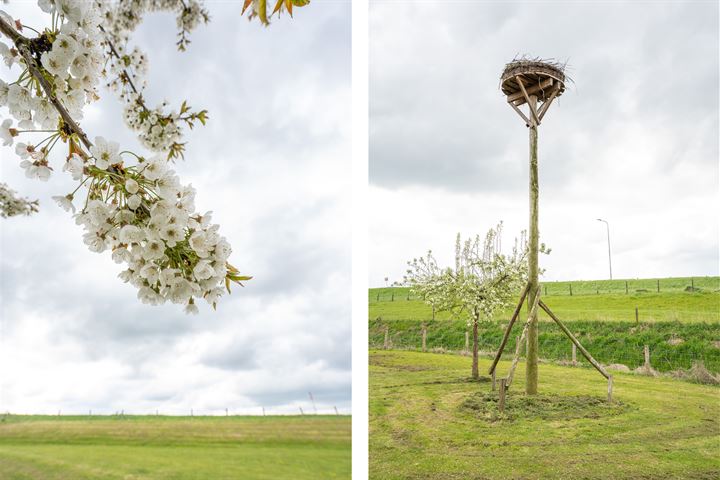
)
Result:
{"points": [[531, 105], [506, 336], [567, 332], [534, 89], [546, 103], [516, 358]]}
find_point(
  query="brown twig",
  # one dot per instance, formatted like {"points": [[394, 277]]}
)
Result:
{"points": [[22, 43]]}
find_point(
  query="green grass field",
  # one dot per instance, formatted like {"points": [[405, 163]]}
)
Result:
{"points": [[422, 425], [174, 448], [669, 306]]}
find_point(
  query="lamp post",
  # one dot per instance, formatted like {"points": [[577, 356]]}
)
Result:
{"points": [[608, 236]]}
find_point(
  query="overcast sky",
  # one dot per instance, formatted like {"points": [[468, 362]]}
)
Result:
{"points": [[273, 165], [633, 140]]}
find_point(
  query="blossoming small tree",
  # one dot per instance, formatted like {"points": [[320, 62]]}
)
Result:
{"points": [[483, 281], [133, 204]]}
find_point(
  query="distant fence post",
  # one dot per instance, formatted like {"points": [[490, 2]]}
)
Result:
{"points": [[545, 290], [637, 316], [658, 285], [501, 401], [493, 380], [610, 388], [377, 299], [646, 352], [386, 344], [574, 355], [392, 299], [692, 284], [570, 285], [626, 287], [424, 338]]}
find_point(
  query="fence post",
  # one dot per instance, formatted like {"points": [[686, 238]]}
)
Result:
{"points": [[626, 287], [658, 285], [386, 343], [546, 290], [493, 380], [467, 342], [637, 317], [378, 297], [392, 299], [610, 387], [501, 402], [646, 351], [692, 284], [424, 337], [570, 285], [574, 355]]}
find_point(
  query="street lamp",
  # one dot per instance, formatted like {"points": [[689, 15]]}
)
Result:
{"points": [[608, 235]]}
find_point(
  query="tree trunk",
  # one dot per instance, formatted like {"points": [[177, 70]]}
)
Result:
{"points": [[475, 371], [531, 369]]}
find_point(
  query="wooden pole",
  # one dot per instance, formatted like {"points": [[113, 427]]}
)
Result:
{"points": [[585, 353], [386, 344], [626, 287], [467, 341], [424, 338], [531, 366], [574, 355], [506, 336], [501, 400], [636, 316], [518, 345], [658, 285], [646, 352], [610, 387], [493, 380], [570, 289]]}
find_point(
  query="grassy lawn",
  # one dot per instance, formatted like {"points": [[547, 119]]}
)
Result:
{"points": [[177, 448], [420, 428]]}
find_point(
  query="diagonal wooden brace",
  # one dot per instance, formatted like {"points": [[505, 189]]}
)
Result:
{"points": [[574, 340], [506, 336]]}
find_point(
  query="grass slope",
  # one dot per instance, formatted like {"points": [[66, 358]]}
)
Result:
{"points": [[608, 342], [177, 448], [419, 430]]}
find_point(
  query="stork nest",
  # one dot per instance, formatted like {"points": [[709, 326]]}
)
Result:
{"points": [[533, 71]]}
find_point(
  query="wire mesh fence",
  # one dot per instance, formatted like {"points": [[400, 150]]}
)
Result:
{"points": [[591, 287]]}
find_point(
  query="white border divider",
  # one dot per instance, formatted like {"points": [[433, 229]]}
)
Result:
{"points": [[359, 239]]}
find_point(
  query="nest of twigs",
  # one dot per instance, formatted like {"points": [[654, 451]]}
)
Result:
{"points": [[547, 73]]}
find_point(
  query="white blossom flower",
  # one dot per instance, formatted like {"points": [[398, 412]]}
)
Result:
{"points": [[131, 234], [65, 201], [75, 165], [105, 153], [7, 132]]}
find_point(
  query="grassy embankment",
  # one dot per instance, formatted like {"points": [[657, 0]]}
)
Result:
{"points": [[178, 448], [428, 421], [679, 326]]}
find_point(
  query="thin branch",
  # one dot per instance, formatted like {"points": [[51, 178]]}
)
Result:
{"points": [[23, 45]]}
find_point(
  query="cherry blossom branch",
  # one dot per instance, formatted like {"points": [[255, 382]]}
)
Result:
{"points": [[23, 45]]}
